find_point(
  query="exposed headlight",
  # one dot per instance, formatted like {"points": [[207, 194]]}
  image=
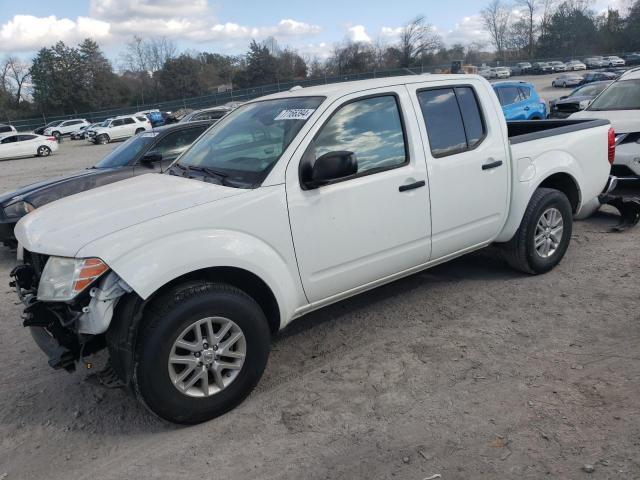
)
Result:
{"points": [[18, 209], [64, 278]]}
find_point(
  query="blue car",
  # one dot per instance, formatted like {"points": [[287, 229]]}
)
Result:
{"points": [[520, 101]]}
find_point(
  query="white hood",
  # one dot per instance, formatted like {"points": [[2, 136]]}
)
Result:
{"points": [[622, 121], [65, 226]]}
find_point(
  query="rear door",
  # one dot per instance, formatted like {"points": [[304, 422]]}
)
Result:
{"points": [[355, 231], [468, 165], [512, 103]]}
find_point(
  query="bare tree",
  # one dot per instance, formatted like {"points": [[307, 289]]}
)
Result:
{"points": [[495, 18], [14, 76], [530, 7], [417, 38], [548, 9]]}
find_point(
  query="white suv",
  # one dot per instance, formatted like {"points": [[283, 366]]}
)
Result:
{"points": [[66, 128], [118, 128]]}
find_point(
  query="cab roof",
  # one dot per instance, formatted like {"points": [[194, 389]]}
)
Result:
{"points": [[337, 90]]}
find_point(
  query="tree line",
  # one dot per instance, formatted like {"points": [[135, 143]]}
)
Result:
{"points": [[64, 79]]}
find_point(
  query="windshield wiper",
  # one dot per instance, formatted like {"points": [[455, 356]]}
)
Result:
{"points": [[185, 169], [211, 172]]}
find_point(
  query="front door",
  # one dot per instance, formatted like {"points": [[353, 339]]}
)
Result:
{"points": [[469, 165], [375, 223]]}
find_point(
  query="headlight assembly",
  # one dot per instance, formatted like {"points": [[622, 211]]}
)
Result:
{"points": [[18, 209], [64, 278]]}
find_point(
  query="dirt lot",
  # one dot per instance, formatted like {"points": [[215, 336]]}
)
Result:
{"points": [[469, 370]]}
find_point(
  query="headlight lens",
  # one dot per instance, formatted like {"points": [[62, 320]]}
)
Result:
{"points": [[64, 278], [18, 209]]}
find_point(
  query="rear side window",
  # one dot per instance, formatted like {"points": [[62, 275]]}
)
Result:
{"points": [[371, 128], [509, 95], [453, 119]]}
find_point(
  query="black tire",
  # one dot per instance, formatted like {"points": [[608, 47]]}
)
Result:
{"points": [[564, 84], [102, 139], [43, 151], [520, 252], [57, 136], [164, 321]]}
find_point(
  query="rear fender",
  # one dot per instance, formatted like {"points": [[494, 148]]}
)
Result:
{"points": [[527, 175]]}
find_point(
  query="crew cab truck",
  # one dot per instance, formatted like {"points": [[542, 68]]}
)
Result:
{"points": [[292, 202]]}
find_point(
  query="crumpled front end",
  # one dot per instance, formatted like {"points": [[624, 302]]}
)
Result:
{"points": [[67, 331]]}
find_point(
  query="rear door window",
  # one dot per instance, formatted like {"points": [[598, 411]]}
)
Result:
{"points": [[129, 121], [509, 95], [453, 120]]}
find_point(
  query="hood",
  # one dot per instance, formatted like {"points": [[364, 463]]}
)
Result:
{"points": [[622, 121], [52, 189], [574, 99], [64, 227]]}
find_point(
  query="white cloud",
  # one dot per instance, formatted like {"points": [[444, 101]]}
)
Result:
{"points": [[357, 33], [468, 30], [321, 50], [116, 9], [26, 32]]}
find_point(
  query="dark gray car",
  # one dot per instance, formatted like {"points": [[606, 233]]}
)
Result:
{"points": [[568, 104], [147, 152]]}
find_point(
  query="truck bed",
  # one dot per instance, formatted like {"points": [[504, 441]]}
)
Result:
{"points": [[527, 130]]}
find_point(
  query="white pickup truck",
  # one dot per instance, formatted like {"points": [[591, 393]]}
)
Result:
{"points": [[292, 202]]}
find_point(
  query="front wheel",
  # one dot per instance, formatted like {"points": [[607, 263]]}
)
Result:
{"points": [[102, 139], [201, 351], [43, 151], [544, 234], [564, 84]]}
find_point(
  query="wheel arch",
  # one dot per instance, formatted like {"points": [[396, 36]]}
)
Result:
{"points": [[567, 184], [122, 335]]}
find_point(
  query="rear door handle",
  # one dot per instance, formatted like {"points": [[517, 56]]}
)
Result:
{"points": [[492, 164], [411, 186]]}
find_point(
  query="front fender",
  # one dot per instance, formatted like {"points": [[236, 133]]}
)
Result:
{"points": [[149, 267], [527, 176]]}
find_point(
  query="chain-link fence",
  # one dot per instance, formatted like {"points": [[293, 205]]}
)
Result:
{"points": [[241, 95]]}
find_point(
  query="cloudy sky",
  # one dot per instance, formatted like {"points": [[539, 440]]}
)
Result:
{"points": [[227, 26]]}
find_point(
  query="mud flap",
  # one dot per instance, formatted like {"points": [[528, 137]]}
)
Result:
{"points": [[629, 211]]}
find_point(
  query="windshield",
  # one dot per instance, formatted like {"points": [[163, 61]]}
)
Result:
{"points": [[621, 95], [592, 90], [241, 150], [127, 152]]}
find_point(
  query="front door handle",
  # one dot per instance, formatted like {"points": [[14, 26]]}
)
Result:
{"points": [[491, 164], [411, 186]]}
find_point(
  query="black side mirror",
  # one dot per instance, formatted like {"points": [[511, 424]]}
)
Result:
{"points": [[149, 159], [328, 167]]}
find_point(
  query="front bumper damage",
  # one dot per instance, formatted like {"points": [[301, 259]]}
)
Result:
{"points": [[65, 331]]}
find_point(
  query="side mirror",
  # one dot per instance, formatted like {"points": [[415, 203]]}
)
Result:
{"points": [[328, 167], [149, 159]]}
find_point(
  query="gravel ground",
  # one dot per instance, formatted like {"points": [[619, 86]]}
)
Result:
{"points": [[468, 370]]}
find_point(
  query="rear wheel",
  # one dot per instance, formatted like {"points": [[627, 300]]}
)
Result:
{"points": [[102, 139], [564, 84], [544, 233], [201, 351], [43, 151], [57, 136]]}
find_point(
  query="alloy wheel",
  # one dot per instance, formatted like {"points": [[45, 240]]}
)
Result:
{"points": [[207, 357], [548, 233]]}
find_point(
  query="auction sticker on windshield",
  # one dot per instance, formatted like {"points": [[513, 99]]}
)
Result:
{"points": [[295, 114]]}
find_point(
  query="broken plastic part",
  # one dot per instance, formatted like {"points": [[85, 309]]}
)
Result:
{"points": [[96, 317]]}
